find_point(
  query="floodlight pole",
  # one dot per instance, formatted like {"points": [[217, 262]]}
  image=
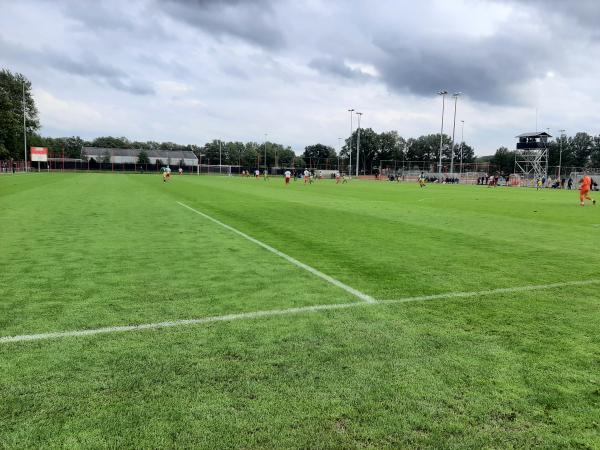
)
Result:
{"points": [[359, 114], [350, 149], [455, 95], [266, 134], [462, 141], [24, 129], [339, 151], [562, 133], [200, 163], [219, 156], [443, 94]]}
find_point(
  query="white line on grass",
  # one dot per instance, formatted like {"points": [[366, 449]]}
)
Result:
{"points": [[282, 312], [356, 293]]}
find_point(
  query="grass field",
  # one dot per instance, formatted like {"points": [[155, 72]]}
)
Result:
{"points": [[484, 332]]}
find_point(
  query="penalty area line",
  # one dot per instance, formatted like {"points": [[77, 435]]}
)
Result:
{"points": [[364, 297], [284, 312]]}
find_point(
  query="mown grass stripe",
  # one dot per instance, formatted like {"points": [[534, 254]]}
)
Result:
{"points": [[288, 311], [364, 297]]}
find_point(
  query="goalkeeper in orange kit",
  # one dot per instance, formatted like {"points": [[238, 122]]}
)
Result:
{"points": [[584, 190]]}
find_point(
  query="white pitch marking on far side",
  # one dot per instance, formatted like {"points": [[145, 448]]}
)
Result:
{"points": [[282, 312], [351, 290]]}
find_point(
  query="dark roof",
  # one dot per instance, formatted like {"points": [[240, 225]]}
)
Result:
{"points": [[134, 152], [534, 134]]}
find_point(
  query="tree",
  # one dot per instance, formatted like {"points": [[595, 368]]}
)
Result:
{"points": [[503, 161], [105, 157], [143, 158], [580, 147], [318, 152], [11, 113], [595, 156], [111, 142]]}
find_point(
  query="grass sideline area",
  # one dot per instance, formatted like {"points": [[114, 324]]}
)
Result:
{"points": [[84, 251]]}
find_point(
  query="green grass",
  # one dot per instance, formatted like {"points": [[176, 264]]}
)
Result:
{"points": [[511, 370]]}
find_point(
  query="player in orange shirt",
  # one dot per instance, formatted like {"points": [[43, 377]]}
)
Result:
{"points": [[584, 190]]}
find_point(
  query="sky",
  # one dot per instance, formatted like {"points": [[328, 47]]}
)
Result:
{"points": [[190, 71]]}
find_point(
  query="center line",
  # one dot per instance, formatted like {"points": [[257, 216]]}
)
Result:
{"points": [[364, 297]]}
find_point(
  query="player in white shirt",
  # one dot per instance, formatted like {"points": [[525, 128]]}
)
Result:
{"points": [[306, 176], [288, 175]]}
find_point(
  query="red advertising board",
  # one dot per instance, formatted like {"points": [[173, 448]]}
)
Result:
{"points": [[39, 154]]}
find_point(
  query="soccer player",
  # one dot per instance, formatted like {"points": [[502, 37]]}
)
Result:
{"points": [[306, 176], [337, 178], [180, 171], [422, 181], [288, 175], [584, 190]]}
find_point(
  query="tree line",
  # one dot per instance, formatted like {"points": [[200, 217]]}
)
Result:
{"points": [[579, 151], [376, 149]]}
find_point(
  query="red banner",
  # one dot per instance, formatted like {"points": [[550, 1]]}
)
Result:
{"points": [[39, 154]]}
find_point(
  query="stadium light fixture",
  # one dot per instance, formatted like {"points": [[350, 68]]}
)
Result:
{"points": [[443, 93]]}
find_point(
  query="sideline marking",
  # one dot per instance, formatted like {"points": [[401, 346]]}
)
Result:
{"points": [[364, 297], [281, 312]]}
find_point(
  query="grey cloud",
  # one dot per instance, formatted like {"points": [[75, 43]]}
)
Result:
{"points": [[98, 17], [335, 66], [87, 66], [585, 12], [252, 22], [486, 69]]}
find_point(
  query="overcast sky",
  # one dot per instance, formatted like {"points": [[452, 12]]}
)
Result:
{"points": [[193, 71]]}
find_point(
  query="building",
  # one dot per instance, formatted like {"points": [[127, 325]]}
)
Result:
{"points": [[130, 156]]}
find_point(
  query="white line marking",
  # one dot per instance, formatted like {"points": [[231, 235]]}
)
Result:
{"points": [[282, 312], [351, 290], [492, 291], [175, 323]]}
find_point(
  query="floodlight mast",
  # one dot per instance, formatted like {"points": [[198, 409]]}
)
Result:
{"points": [[266, 169], [359, 114], [455, 95], [339, 151], [462, 141], [350, 147], [443, 94], [562, 135], [24, 129]]}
